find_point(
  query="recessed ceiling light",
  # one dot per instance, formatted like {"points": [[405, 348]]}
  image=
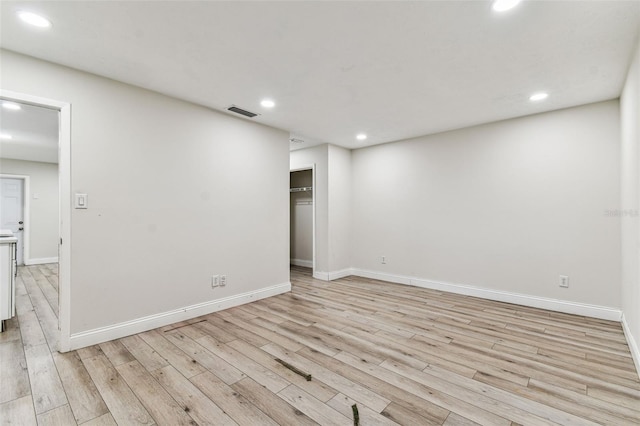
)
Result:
{"points": [[504, 5], [11, 105], [538, 96], [34, 19], [361, 136], [5, 136], [267, 103]]}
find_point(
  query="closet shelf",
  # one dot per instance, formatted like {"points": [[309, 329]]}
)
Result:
{"points": [[302, 189]]}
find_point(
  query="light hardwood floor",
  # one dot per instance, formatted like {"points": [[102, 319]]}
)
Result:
{"points": [[404, 355]]}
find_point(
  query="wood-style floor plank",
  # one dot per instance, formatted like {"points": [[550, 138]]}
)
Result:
{"points": [[221, 368], [403, 355], [46, 386], [47, 317], [19, 412], [123, 405], [234, 404], [104, 420], [313, 408], [282, 413], [160, 405], [57, 417], [191, 399], [84, 398], [13, 372]]}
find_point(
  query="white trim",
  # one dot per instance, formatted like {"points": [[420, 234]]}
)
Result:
{"points": [[324, 276], [26, 205], [335, 275], [41, 261], [301, 262], [64, 173], [64, 249], [594, 311], [374, 275], [128, 328], [633, 345]]}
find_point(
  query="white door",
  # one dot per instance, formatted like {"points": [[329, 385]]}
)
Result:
{"points": [[12, 210]]}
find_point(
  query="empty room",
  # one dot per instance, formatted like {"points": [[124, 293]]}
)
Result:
{"points": [[320, 212]]}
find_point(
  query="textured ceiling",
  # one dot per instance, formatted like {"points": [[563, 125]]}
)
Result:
{"points": [[393, 70]]}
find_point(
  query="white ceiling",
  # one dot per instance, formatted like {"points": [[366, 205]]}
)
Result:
{"points": [[391, 69], [34, 132]]}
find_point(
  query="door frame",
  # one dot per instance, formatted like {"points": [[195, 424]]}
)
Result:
{"points": [[64, 188], [26, 212], [311, 167]]}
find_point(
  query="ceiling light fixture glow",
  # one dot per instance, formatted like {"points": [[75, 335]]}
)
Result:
{"points": [[34, 19], [504, 5], [361, 136], [11, 105], [267, 103], [5, 136], [538, 97]]}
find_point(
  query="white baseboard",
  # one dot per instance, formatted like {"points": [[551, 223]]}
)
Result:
{"points": [[398, 279], [301, 262], [633, 345], [41, 261], [116, 331], [324, 276], [594, 311], [334, 275]]}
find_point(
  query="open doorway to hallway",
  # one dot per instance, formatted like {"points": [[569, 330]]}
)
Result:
{"points": [[29, 193]]}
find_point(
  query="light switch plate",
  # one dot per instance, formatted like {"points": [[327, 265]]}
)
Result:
{"points": [[82, 202]]}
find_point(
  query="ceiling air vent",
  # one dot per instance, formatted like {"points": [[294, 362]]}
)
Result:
{"points": [[241, 111]]}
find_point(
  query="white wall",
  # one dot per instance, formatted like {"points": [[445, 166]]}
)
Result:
{"points": [[506, 206], [630, 204], [339, 209], [176, 193], [43, 202], [301, 217]]}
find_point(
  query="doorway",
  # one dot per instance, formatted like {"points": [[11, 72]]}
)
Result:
{"points": [[12, 210], [302, 218], [23, 150]]}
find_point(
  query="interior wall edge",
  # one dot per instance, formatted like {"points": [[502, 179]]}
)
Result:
{"points": [[128, 328]]}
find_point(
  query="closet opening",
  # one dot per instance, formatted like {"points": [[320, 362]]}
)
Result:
{"points": [[302, 248]]}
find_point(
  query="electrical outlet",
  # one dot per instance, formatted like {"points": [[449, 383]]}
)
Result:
{"points": [[223, 280], [564, 281], [215, 281], [383, 260]]}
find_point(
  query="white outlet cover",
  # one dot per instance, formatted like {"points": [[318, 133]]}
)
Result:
{"points": [[564, 281]]}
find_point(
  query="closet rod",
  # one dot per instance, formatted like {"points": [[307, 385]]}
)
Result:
{"points": [[302, 189]]}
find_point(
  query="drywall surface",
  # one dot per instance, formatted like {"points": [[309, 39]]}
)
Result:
{"points": [[318, 156], [176, 192], [506, 206], [339, 208], [43, 203], [630, 199], [301, 216]]}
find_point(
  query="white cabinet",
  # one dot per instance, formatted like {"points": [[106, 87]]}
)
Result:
{"points": [[8, 268]]}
